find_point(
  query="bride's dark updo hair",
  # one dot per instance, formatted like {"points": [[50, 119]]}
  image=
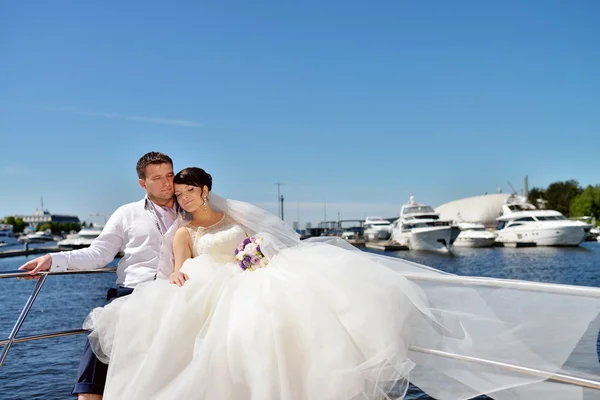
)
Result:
{"points": [[193, 176]]}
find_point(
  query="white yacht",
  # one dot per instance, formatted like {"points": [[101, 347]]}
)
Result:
{"points": [[7, 237], [376, 228], [474, 234], [81, 239], [420, 228], [595, 233], [522, 223], [38, 237]]}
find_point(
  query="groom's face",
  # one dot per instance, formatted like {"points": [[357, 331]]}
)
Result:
{"points": [[158, 181]]}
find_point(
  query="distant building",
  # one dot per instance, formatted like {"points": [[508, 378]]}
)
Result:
{"points": [[308, 225], [41, 217], [296, 226]]}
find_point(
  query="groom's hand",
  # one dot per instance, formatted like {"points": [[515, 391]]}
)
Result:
{"points": [[178, 278], [35, 266]]}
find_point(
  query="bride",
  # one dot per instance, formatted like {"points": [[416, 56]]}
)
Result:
{"points": [[319, 320]]}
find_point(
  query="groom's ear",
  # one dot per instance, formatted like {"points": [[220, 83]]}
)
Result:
{"points": [[142, 183]]}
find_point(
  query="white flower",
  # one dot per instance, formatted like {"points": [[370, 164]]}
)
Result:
{"points": [[250, 249]]}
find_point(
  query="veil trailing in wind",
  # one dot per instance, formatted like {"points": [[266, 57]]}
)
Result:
{"points": [[470, 336]]}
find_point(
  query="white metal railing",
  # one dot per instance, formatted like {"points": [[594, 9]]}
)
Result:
{"points": [[12, 337], [590, 382]]}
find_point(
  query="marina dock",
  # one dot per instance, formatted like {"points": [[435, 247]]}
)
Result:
{"points": [[356, 242], [29, 251], [382, 245], [515, 244], [385, 246]]}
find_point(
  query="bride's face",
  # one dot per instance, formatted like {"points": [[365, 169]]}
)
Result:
{"points": [[189, 197]]}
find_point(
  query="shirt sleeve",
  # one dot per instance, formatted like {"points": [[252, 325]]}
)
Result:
{"points": [[102, 250]]}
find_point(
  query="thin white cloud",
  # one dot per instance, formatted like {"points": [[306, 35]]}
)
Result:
{"points": [[163, 121], [137, 118], [15, 170]]}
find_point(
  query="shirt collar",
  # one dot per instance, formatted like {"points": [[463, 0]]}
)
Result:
{"points": [[149, 205]]}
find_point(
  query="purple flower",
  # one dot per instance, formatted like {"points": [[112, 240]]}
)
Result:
{"points": [[251, 257]]}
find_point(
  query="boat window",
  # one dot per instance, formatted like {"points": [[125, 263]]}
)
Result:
{"points": [[500, 225], [525, 219], [438, 223], [427, 217], [514, 224], [556, 218], [418, 209], [521, 207], [547, 218]]}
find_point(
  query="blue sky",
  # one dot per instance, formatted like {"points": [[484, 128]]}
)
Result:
{"points": [[359, 103]]}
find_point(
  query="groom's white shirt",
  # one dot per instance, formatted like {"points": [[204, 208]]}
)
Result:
{"points": [[135, 230]]}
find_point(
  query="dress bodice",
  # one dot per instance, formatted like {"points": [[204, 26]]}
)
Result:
{"points": [[218, 240]]}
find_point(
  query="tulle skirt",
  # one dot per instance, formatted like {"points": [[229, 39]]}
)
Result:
{"points": [[324, 321]]}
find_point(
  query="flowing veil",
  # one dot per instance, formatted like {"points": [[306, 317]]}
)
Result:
{"points": [[280, 235], [471, 336]]}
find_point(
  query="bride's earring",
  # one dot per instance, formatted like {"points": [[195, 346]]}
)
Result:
{"points": [[204, 205]]}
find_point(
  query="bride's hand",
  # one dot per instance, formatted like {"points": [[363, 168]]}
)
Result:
{"points": [[178, 278]]}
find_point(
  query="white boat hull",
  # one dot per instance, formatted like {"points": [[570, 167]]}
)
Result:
{"points": [[38, 239], [475, 239], [543, 236], [376, 235], [474, 242], [428, 239], [75, 243]]}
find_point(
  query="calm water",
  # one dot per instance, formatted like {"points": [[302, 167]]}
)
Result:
{"points": [[47, 369]]}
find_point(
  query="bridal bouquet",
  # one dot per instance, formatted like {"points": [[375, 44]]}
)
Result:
{"points": [[249, 255]]}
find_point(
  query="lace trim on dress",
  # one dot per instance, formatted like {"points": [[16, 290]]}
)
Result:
{"points": [[197, 232]]}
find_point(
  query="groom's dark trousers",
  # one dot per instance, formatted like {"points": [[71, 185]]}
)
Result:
{"points": [[91, 376]]}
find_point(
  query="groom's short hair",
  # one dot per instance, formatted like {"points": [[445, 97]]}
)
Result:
{"points": [[154, 157]]}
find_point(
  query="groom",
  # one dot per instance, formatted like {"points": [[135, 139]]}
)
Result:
{"points": [[144, 232]]}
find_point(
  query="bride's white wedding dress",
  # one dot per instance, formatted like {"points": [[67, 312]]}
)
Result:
{"points": [[322, 322]]}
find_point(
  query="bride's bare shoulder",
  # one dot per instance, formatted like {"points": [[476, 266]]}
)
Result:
{"points": [[182, 234]]}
